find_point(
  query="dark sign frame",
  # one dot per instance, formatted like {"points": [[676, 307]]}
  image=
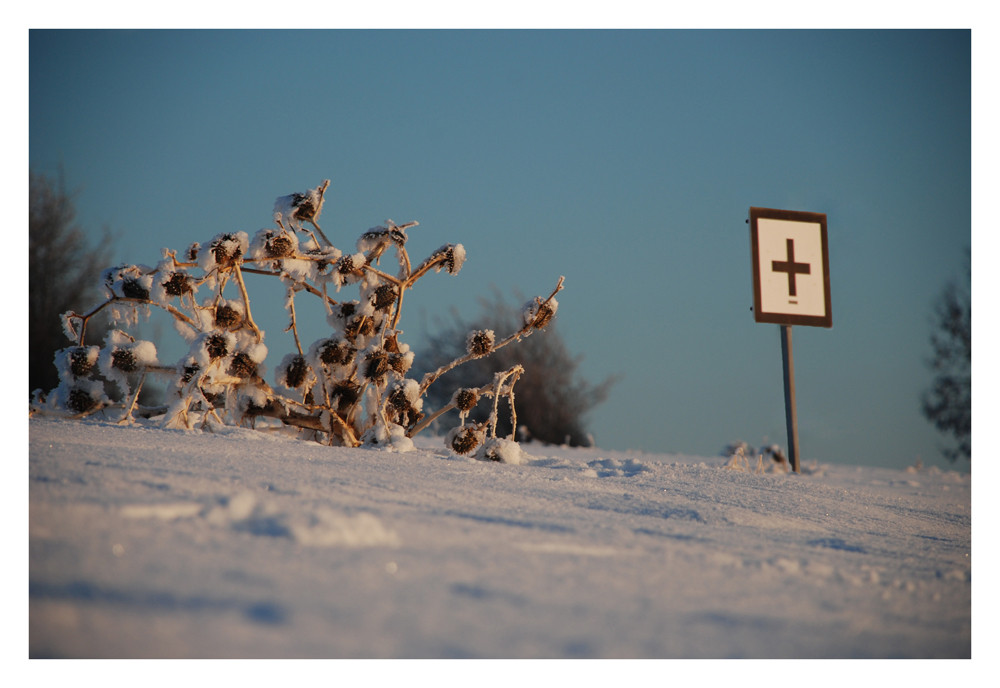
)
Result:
{"points": [[789, 318]]}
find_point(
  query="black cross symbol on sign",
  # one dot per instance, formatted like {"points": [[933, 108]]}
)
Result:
{"points": [[790, 266]]}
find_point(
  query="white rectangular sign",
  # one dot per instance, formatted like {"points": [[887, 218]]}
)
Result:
{"points": [[791, 273]]}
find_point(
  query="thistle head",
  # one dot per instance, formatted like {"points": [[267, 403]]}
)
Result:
{"points": [[217, 346], [538, 314], [295, 372], [228, 317], [376, 364], [227, 250], [465, 439], [279, 246], [124, 360], [80, 400], [177, 284], [479, 343], [335, 352], [242, 365], [465, 399], [384, 297]]}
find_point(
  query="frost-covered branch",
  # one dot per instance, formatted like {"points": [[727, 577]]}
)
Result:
{"points": [[536, 315]]}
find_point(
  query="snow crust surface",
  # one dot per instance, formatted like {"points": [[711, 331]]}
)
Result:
{"points": [[145, 542]]}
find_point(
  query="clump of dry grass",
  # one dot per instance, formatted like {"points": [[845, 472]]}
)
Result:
{"points": [[740, 459]]}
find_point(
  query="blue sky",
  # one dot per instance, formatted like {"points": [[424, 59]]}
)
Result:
{"points": [[624, 160]]}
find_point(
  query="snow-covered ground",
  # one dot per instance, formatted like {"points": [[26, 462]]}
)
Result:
{"points": [[157, 543]]}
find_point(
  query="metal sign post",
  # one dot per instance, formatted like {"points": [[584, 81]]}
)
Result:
{"points": [[791, 286], [791, 419]]}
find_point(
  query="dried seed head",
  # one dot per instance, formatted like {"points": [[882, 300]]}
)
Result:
{"points": [[330, 352], [451, 257], [279, 246], [216, 346], [360, 326], [189, 371], [323, 263], [336, 352], [397, 236], [399, 409], [228, 318], [400, 362], [294, 209], [133, 289], [538, 314], [479, 342], [191, 254], [227, 250], [177, 284], [377, 364], [384, 297], [465, 440], [124, 360], [346, 393], [398, 400], [345, 265], [392, 344], [242, 366], [544, 316], [466, 399], [450, 262], [305, 209], [81, 361], [296, 372], [376, 235], [80, 400]]}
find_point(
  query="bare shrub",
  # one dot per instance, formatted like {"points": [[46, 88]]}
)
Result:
{"points": [[348, 388]]}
